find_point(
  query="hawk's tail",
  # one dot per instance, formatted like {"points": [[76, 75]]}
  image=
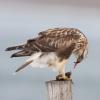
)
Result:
{"points": [[20, 47]]}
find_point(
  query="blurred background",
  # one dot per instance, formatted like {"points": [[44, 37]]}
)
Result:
{"points": [[23, 19]]}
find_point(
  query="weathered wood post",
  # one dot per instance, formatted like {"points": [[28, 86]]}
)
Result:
{"points": [[59, 90]]}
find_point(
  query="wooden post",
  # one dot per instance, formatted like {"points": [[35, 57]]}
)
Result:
{"points": [[59, 90]]}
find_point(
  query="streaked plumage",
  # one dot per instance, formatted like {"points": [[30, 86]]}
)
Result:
{"points": [[53, 47]]}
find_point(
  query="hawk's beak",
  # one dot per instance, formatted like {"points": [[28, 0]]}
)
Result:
{"points": [[75, 63]]}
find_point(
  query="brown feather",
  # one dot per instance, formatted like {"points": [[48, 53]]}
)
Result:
{"points": [[55, 39]]}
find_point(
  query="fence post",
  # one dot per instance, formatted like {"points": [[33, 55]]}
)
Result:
{"points": [[59, 90]]}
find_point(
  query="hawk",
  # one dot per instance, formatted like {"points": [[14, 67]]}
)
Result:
{"points": [[53, 48]]}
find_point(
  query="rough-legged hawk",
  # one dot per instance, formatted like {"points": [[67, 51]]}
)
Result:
{"points": [[53, 48]]}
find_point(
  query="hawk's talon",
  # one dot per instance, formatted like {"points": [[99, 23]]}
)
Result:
{"points": [[63, 78], [66, 77]]}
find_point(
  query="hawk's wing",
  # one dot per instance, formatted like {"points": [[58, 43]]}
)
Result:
{"points": [[54, 39]]}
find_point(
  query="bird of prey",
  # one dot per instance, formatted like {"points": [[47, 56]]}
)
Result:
{"points": [[53, 48]]}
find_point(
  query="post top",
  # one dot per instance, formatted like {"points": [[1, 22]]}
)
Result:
{"points": [[56, 81]]}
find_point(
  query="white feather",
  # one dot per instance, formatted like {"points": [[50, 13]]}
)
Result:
{"points": [[47, 59]]}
